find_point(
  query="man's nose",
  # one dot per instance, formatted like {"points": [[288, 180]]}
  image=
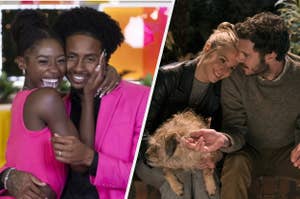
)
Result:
{"points": [[240, 58], [78, 66]]}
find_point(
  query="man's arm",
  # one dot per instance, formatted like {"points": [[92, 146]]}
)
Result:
{"points": [[295, 154], [234, 114]]}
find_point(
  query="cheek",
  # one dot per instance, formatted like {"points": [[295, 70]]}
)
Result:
{"points": [[70, 66], [251, 64], [211, 68], [218, 68], [33, 74], [62, 69], [91, 68]]}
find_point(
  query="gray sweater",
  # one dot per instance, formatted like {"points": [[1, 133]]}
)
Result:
{"points": [[262, 113]]}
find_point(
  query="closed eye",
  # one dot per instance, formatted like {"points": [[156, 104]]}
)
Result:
{"points": [[71, 57], [61, 60], [42, 62], [223, 60]]}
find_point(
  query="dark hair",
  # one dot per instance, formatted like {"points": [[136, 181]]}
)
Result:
{"points": [[268, 33], [28, 28], [91, 22]]}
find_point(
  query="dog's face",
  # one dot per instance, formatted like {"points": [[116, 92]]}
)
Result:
{"points": [[165, 146], [162, 149]]}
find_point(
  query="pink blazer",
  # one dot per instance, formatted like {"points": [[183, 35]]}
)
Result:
{"points": [[118, 128]]}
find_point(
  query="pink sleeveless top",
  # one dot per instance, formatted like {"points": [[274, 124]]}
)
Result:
{"points": [[31, 151]]}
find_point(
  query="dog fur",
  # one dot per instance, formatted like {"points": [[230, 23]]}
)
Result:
{"points": [[167, 151]]}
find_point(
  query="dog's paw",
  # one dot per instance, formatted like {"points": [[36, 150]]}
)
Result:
{"points": [[177, 188], [209, 181], [211, 189]]}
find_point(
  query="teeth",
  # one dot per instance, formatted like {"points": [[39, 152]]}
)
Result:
{"points": [[50, 83], [77, 77]]}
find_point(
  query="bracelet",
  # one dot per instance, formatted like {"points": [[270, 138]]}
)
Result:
{"points": [[6, 177]]}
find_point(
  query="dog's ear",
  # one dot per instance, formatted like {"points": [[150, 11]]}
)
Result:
{"points": [[171, 145]]}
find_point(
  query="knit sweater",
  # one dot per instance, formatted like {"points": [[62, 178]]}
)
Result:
{"points": [[259, 112]]}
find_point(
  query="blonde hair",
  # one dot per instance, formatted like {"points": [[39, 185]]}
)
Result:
{"points": [[223, 36]]}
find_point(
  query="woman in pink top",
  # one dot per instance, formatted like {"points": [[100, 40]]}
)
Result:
{"points": [[38, 111]]}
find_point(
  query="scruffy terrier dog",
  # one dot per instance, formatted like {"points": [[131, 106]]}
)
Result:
{"points": [[168, 152]]}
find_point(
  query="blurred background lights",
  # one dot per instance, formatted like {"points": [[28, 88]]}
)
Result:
{"points": [[136, 33]]}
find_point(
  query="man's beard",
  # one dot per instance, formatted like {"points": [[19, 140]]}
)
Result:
{"points": [[260, 69]]}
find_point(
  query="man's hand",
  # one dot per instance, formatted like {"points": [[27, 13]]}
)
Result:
{"points": [[24, 185], [295, 156], [206, 140], [70, 150]]}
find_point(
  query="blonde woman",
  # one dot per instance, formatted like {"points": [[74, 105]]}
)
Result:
{"points": [[192, 85]]}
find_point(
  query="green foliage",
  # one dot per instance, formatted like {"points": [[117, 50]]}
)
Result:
{"points": [[147, 80], [6, 88], [64, 86], [289, 10]]}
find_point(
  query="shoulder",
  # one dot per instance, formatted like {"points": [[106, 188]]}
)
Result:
{"points": [[293, 57], [172, 75], [236, 76], [133, 88], [293, 60], [129, 88], [44, 102], [45, 96], [237, 81], [177, 67]]}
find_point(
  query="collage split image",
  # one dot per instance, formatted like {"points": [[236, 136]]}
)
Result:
{"points": [[150, 99]]}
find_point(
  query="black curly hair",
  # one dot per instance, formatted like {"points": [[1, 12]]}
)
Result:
{"points": [[85, 20], [28, 28], [268, 33]]}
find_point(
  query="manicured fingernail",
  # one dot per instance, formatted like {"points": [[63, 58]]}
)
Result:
{"points": [[101, 95], [98, 67], [56, 135]]}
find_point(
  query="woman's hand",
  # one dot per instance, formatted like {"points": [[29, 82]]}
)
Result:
{"points": [[70, 150], [112, 79], [93, 86], [104, 79], [24, 185]]}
